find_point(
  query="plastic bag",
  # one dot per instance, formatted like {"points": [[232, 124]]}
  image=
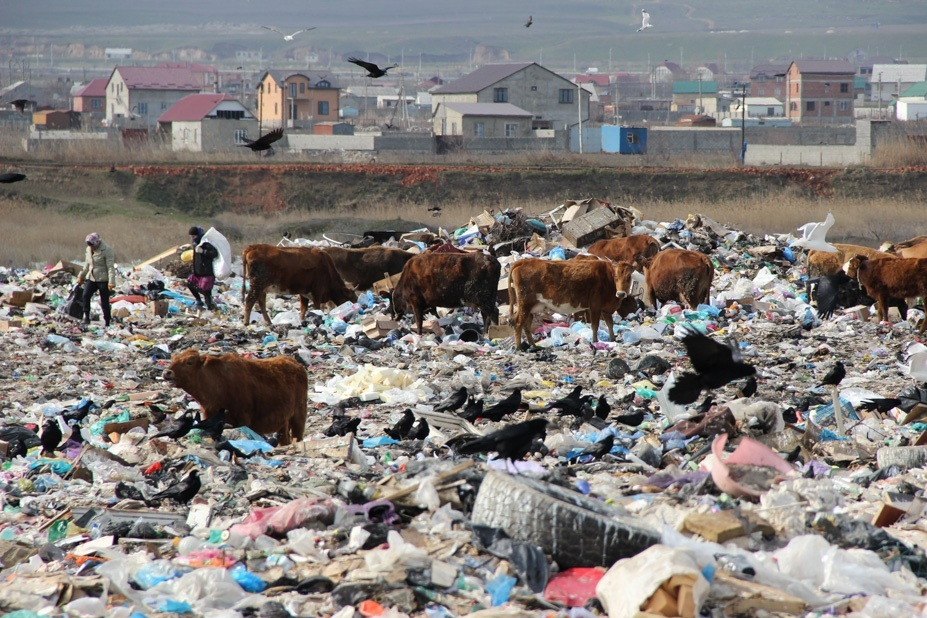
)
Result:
{"points": [[222, 264], [284, 518]]}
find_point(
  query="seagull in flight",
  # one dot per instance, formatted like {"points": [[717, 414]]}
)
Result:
{"points": [[645, 21], [287, 37], [814, 234]]}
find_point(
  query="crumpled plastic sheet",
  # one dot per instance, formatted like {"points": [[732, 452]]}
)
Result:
{"points": [[748, 452], [281, 519], [372, 383]]}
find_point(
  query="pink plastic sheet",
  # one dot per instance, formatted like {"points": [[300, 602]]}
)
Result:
{"points": [[748, 452], [281, 519]]}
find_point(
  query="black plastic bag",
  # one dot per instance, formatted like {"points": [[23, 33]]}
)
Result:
{"points": [[74, 306]]}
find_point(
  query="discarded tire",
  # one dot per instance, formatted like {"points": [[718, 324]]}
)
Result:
{"points": [[575, 530]]}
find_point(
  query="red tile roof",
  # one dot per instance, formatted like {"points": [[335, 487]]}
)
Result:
{"points": [[154, 78], [599, 79], [194, 107], [96, 88]]}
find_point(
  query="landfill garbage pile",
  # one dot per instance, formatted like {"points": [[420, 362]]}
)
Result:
{"points": [[448, 473]]}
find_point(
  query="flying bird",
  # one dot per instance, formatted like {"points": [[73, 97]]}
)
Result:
{"points": [[287, 37], [814, 235], [11, 177], [826, 292], [20, 105], [835, 375], [51, 437], [715, 365], [507, 406], [182, 491], [511, 442], [645, 21], [403, 426], [263, 142], [529, 22], [372, 70]]}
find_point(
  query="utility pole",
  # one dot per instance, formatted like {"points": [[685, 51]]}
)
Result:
{"points": [[579, 112], [743, 124], [880, 95]]}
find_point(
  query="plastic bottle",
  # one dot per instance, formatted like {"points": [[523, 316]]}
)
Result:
{"points": [[58, 530]]}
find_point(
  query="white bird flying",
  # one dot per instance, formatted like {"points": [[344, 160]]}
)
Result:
{"points": [[813, 236], [287, 37], [645, 21]]}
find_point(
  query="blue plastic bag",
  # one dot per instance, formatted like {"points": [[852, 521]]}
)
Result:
{"points": [[246, 579], [500, 588]]}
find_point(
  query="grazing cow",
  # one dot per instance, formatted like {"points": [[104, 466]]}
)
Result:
{"points": [[830, 263], [291, 270], [635, 248], [268, 395], [433, 280], [585, 284], [887, 279], [361, 268], [909, 249], [681, 275]]}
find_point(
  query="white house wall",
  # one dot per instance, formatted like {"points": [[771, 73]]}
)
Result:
{"points": [[186, 137], [543, 102]]}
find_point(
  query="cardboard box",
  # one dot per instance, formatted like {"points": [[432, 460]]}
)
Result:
{"points": [[158, 307], [590, 227], [860, 312], [19, 298], [432, 326], [386, 284], [7, 325], [377, 327]]}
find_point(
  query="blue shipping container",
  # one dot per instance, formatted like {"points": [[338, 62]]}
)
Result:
{"points": [[624, 140]]}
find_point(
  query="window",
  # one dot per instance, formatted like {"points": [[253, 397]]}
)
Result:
{"points": [[809, 106], [566, 95], [323, 108], [780, 78], [142, 109], [826, 86], [761, 78], [230, 114], [844, 87], [240, 135], [777, 92], [302, 88], [96, 104], [500, 95], [323, 84], [275, 109], [770, 111], [292, 91], [478, 129], [511, 128], [844, 106], [632, 138], [163, 105], [453, 128], [826, 103]]}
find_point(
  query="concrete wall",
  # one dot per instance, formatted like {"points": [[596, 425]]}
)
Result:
{"points": [[816, 156], [210, 135], [679, 140], [299, 143], [489, 145]]}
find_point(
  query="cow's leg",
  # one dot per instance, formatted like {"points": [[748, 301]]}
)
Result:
{"points": [[610, 324], [882, 306], [419, 313], [303, 307], [262, 303], [250, 297], [594, 316]]}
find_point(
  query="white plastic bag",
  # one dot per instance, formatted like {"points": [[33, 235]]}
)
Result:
{"points": [[222, 265]]}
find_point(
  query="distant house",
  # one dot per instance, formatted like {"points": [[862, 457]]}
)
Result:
{"points": [[21, 90], [695, 97], [890, 80], [139, 95], [768, 80], [91, 98], [117, 53], [668, 71], [295, 98], [709, 71], [549, 98], [760, 107], [208, 122], [820, 91], [482, 120]]}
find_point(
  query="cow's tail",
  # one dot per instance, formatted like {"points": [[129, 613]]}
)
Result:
{"points": [[511, 298], [244, 276]]}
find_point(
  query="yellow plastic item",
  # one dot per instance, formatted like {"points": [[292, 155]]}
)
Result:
{"points": [[187, 256]]}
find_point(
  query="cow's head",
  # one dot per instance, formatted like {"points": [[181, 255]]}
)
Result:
{"points": [[852, 266], [183, 364], [623, 272]]}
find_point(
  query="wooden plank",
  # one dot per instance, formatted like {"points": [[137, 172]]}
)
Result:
{"points": [[158, 258]]}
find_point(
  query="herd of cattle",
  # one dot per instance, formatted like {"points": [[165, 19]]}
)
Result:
{"points": [[271, 395]]}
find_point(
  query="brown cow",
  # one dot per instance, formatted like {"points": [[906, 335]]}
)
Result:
{"points": [[830, 263], [887, 279], [268, 395], [918, 250], [361, 268], [681, 275], [291, 270], [567, 287], [433, 280], [636, 248]]}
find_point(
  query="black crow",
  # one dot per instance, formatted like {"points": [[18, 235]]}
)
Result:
{"points": [[16, 448], [20, 105], [882, 405], [575, 407], [156, 413], [835, 375], [264, 142], [78, 412], [342, 426], [602, 409], [182, 491], [401, 429], [631, 419], [715, 365], [177, 428], [51, 437], [529, 22], [601, 448], [509, 405], [124, 491], [453, 402], [473, 410], [212, 427], [749, 387], [372, 70], [234, 452], [511, 442], [705, 406], [826, 292], [419, 430], [10, 177]]}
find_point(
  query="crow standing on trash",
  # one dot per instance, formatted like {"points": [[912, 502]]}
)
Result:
{"points": [[178, 428], [715, 364], [473, 411], [601, 448], [509, 405], [512, 442], [602, 409], [401, 429], [182, 491], [453, 402], [419, 430], [835, 375], [342, 426], [51, 437], [212, 427]]}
